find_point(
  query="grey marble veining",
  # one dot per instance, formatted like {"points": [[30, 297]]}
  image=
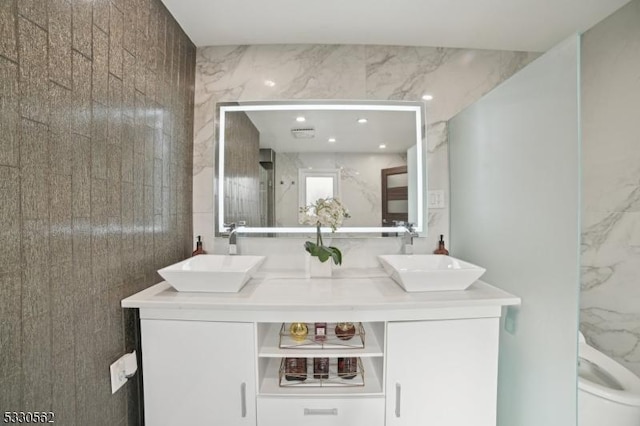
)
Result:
{"points": [[456, 77], [610, 294]]}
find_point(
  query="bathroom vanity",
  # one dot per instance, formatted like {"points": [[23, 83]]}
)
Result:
{"points": [[215, 358]]}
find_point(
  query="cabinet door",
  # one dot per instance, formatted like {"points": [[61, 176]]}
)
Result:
{"points": [[442, 373], [198, 373]]}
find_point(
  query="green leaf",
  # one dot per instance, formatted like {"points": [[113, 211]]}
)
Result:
{"points": [[323, 253], [336, 255], [311, 248]]}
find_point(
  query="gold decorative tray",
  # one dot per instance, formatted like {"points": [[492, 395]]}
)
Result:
{"points": [[331, 340], [333, 380]]}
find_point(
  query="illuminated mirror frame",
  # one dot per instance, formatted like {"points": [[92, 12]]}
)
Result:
{"points": [[415, 107]]}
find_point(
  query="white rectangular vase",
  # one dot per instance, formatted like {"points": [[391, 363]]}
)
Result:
{"points": [[317, 269]]}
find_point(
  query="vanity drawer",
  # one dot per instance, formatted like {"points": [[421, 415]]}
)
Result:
{"points": [[294, 411]]}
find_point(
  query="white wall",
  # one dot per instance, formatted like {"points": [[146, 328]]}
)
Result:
{"points": [[515, 185], [610, 297]]}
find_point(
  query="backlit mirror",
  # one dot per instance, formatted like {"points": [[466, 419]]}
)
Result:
{"points": [[274, 157]]}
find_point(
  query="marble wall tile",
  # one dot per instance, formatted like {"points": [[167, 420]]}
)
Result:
{"points": [[34, 73], [100, 74], [34, 188], [130, 27], [36, 293], [60, 142], [62, 300], [101, 14], [35, 11], [114, 116], [81, 177], [128, 139], [82, 76], [81, 262], [60, 42], [36, 363], [99, 140], [13, 382], [9, 219], [157, 187], [128, 84], [456, 77], [143, 12], [10, 327], [114, 247], [610, 318], [85, 367], [8, 46], [116, 34], [203, 191], [82, 22], [60, 219], [64, 387], [34, 144], [141, 63], [114, 179], [67, 98], [60, 108], [9, 113]]}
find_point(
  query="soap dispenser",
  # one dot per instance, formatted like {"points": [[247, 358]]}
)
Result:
{"points": [[441, 249], [199, 249]]}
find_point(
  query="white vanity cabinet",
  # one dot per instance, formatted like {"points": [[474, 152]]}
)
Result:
{"points": [[214, 359], [198, 373], [442, 372]]}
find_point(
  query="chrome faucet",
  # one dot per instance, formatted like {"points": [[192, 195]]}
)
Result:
{"points": [[407, 238], [233, 235]]}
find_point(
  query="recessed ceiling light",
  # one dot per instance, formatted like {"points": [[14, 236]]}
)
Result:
{"points": [[427, 97], [300, 119], [332, 140], [269, 83], [362, 120], [382, 146]]}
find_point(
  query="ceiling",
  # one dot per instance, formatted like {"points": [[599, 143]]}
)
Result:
{"points": [[394, 129], [525, 25]]}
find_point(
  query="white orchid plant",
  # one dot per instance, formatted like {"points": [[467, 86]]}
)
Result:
{"points": [[327, 212]]}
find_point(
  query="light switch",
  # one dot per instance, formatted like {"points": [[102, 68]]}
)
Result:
{"points": [[436, 199]]}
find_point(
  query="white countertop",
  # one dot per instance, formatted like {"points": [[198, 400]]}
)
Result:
{"points": [[364, 298]]}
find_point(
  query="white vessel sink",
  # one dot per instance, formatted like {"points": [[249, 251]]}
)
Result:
{"points": [[430, 272], [212, 273]]}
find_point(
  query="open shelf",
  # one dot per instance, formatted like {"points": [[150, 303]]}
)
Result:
{"points": [[269, 344], [371, 385], [329, 341], [332, 378]]}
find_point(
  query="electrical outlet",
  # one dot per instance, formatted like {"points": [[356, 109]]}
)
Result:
{"points": [[436, 199], [118, 378], [511, 320], [125, 367]]}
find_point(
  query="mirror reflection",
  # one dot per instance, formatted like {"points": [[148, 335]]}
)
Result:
{"points": [[274, 158]]}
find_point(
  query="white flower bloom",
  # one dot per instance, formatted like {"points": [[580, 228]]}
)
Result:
{"points": [[328, 212]]}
